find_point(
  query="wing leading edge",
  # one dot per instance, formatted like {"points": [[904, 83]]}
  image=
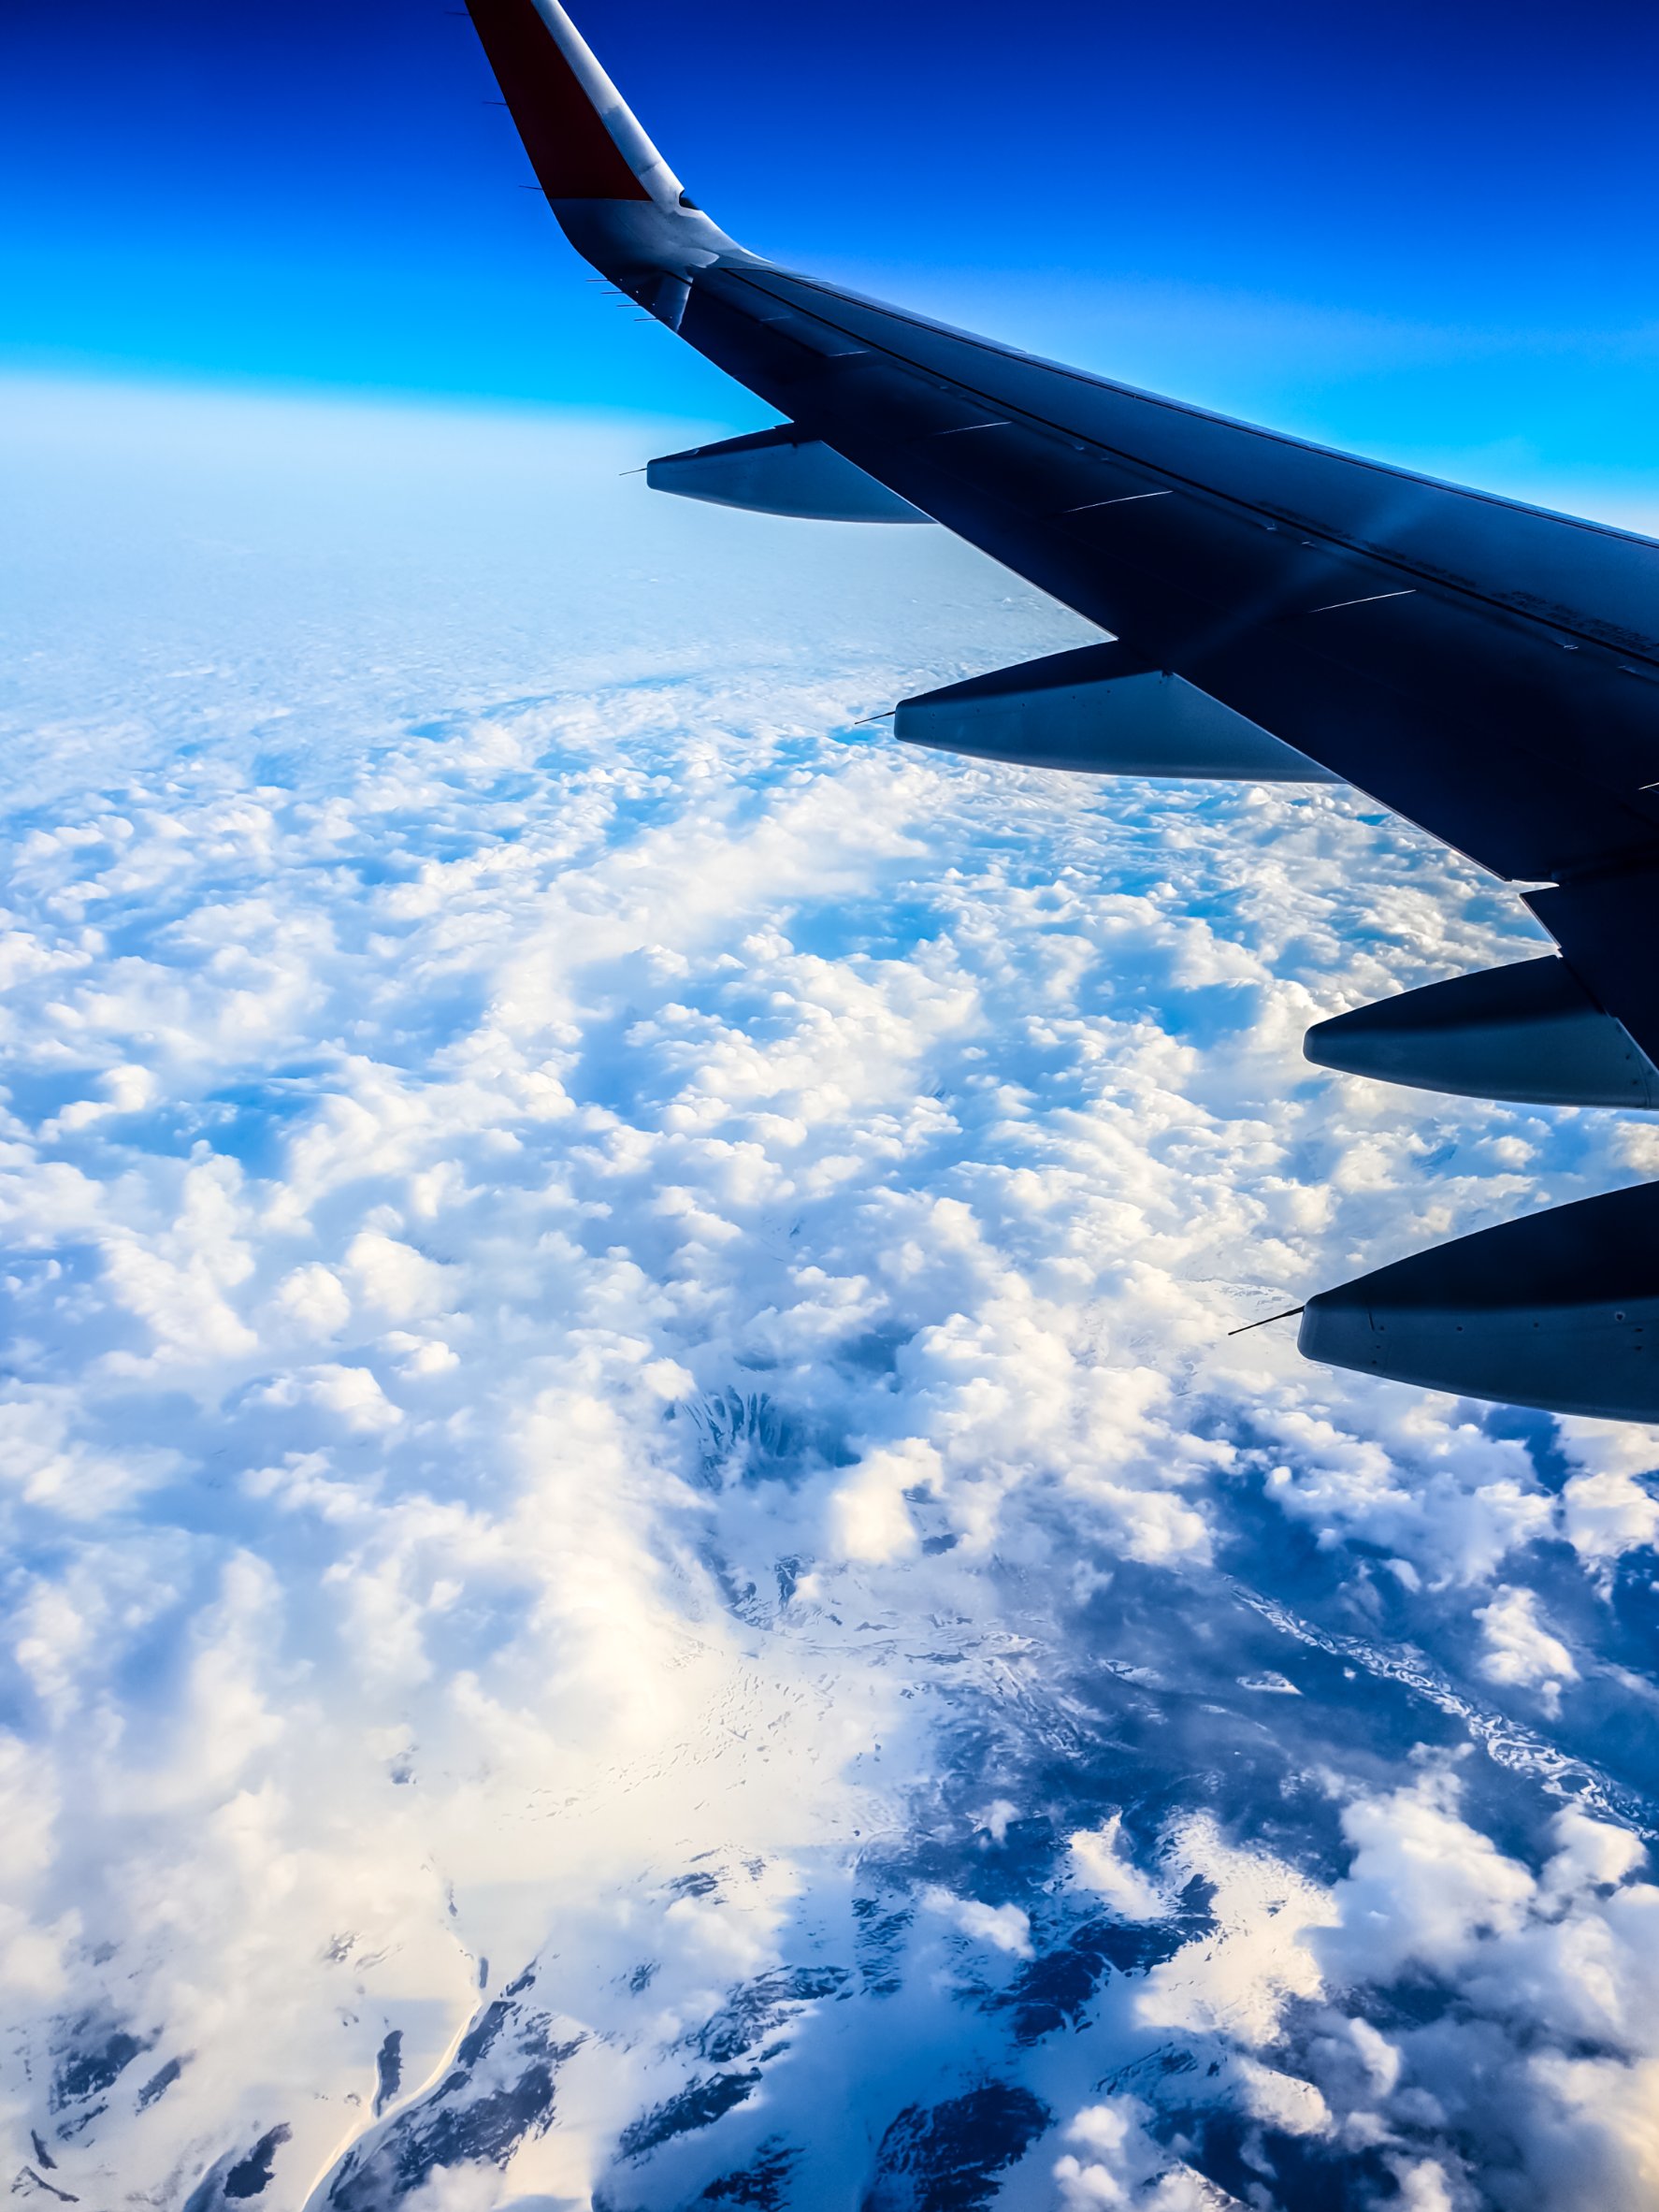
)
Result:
{"points": [[1486, 668]]}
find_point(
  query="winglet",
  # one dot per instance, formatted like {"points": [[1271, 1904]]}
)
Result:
{"points": [[582, 142], [617, 200]]}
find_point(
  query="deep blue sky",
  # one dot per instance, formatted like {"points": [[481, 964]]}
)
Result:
{"points": [[1428, 228]]}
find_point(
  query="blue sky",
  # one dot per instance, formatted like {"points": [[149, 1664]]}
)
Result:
{"points": [[1425, 231]]}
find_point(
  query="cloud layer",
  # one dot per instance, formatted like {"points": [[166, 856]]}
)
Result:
{"points": [[640, 1569]]}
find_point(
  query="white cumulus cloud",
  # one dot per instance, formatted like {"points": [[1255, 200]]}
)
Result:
{"points": [[637, 1555]]}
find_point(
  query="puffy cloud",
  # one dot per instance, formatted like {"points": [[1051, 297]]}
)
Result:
{"points": [[1118, 2163], [393, 1277], [1422, 2186], [1520, 1652], [1424, 1888], [1609, 1512], [868, 1510], [622, 1474], [352, 1395], [1003, 1927]]}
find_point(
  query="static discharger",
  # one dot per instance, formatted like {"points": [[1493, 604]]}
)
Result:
{"points": [[1289, 1313]]}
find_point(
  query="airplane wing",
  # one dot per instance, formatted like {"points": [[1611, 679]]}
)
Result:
{"points": [[1486, 668]]}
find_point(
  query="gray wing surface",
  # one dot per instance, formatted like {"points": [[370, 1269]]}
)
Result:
{"points": [[1485, 669]]}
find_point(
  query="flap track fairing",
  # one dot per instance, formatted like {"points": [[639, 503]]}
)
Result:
{"points": [[1531, 1032], [1100, 710], [780, 471], [1559, 1310]]}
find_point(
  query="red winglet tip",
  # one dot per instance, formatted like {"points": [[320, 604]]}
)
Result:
{"points": [[567, 137]]}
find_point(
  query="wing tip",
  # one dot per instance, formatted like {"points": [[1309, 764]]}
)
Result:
{"points": [[581, 138]]}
